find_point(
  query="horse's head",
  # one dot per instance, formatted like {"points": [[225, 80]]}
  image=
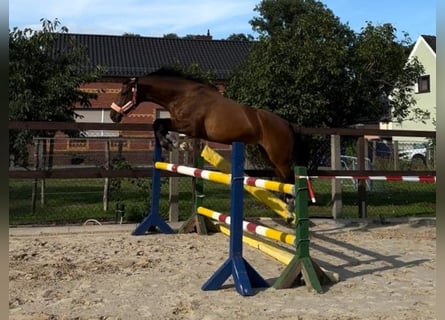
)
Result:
{"points": [[125, 100]]}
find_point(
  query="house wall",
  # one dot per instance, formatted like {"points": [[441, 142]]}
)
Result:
{"points": [[425, 101]]}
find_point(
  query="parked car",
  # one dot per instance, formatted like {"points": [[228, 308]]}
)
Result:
{"points": [[417, 154]]}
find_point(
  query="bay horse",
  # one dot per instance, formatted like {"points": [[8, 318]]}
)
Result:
{"points": [[197, 109]]}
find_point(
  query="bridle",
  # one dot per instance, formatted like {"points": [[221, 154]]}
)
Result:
{"points": [[130, 104]]}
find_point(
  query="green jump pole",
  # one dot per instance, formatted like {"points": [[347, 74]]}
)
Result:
{"points": [[301, 265]]}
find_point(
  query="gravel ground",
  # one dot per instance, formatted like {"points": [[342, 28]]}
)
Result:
{"points": [[103, 272]]}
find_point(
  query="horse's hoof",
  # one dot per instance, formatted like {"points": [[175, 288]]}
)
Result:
{"points": [[165, 143], [184, 146], [166, 146], [171, 138]]}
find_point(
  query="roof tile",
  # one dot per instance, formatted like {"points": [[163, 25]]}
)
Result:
{"points": [[129, 56]]}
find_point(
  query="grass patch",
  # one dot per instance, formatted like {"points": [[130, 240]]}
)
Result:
{"points": [[76, 200]]}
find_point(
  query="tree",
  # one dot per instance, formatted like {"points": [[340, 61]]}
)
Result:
{"points": [[380, 69], [171, 36], [313, 70], [299, 64], [44, 81], [240, 37], [130, 34]]}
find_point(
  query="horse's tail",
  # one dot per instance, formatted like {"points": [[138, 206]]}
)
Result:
{"points": [[301, 147]]}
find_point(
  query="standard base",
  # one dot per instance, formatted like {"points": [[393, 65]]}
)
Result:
{"points": [[149, 223], [244, 276], [305, 268]]}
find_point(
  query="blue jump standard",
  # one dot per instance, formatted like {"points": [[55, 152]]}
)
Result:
{"points": [[154, 220], [244, 275]]}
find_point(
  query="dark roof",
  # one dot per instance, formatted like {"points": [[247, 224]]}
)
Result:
{"points": [[129, 56], [431, 40]]}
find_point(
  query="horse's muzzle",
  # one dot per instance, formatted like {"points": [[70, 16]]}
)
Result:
{"points": [[124, 109]]}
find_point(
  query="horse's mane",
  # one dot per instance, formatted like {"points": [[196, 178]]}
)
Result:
{"points": [[177, 73]]}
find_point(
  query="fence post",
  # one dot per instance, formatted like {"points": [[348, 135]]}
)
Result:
{"points": [[362, 210], [107, 180], [42, 156], [395, 153], [35, 182], [336, 183]]}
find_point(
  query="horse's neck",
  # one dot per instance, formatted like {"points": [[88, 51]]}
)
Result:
{"points": [[162, 95]]}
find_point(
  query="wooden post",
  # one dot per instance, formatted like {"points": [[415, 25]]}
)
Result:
{"points": [[336, 183], [395, 154], [50, 153], [196, 221], [373, 155], [42, 161], [36, 167], [362, 210], [120, 147], [107, 180]]}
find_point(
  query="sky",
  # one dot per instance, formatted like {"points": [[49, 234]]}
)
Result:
{"points": [[154, 18]]}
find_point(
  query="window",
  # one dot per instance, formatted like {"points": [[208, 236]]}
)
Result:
{"points": [[424, 84]]}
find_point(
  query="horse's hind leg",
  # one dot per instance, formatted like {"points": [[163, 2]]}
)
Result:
{"points": [[162, 128]]}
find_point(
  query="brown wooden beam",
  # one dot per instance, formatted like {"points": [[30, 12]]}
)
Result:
{"points": [[50, 125], [371, 173], [366, 132], [85, 173], [74, 173]]}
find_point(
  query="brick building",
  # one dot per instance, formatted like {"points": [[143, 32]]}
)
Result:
{"points": [[133, 56], [123, 57]]}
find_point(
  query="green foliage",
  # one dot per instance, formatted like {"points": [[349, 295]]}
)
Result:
{"points": [[129, 34], [381, 69], [297, 68], [314, 71], [171, 36], [44, 80], [194, 71], [240, 37]]}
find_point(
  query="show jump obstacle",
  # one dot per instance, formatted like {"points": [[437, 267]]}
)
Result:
{"points": [[244, 275], [268, 198]]}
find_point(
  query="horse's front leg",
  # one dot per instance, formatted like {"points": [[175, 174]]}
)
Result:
{"points": [[163, 130], [290, 206]]}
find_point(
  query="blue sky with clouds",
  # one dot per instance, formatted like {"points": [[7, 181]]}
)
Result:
{"points": [[221, 17]]}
